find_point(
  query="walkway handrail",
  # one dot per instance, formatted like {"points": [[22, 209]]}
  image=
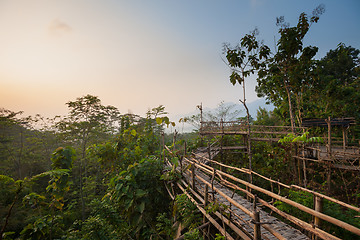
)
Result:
{"points": [[287, 201], [247, 171], [317, 231]]}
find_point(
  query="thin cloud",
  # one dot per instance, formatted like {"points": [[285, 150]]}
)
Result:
{"points": [[256, 3], [59, 28]]}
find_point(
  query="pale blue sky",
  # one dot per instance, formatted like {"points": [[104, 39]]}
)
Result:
{"points": [[139, 54]]}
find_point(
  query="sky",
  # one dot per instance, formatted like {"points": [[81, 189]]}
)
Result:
{"points": [[140, 54]]}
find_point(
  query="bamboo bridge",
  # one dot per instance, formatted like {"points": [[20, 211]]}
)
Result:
{"points": [[247, 211]]}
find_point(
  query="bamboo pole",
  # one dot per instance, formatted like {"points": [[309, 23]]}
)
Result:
{"points": [[193, 176], [256, 218], [242, 208], [318, 205]]}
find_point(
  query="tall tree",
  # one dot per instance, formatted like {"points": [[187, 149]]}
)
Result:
{"points": [[244, 60], [24, 149], [88, 122], [289, 71], [337, 89]]}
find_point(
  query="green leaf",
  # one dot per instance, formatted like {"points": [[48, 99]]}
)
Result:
{"points": [[235, 77], [141, 207], [140, 193], [159, 120]]}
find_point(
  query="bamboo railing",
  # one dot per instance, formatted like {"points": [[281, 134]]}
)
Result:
{"points": [[249, 190]]}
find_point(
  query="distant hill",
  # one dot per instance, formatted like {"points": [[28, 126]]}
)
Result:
{"points": [[253, 107]]}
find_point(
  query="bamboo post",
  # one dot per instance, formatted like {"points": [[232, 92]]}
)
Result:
{"points": [[344, 138], [209, 150], [212, 184], [206, 197], [201, 123], [328, 121], [193, 176], [163, 145], [318, 205], [304, 169], [329, 155], [256, 219], [221, 151], [206, 201], [272, 190]]}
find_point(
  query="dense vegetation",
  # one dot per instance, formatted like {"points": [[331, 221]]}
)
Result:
{"points": [[98, 174]]}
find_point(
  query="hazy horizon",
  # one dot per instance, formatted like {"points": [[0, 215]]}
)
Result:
{"points": [[137, 55]]}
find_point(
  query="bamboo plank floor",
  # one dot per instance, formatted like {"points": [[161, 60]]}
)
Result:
{"points": [[243, 220]]}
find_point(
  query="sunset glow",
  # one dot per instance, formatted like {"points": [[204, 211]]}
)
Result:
{"points": [[140, 54]]}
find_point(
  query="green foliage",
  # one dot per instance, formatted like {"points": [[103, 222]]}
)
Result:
{"points": [[245, 58], [166, 120], [54, 201], [172, 174], [267, 118], [303, 198], [193, 235], [348, 216], [336, 89], [329, 208], [187, 211], [47, 227], [88, 122], [301, 139], [103, 223], [24, 149], [164, 225], [219, 237], [139, 194], [215, 206], [63, 158], [34, 200]]}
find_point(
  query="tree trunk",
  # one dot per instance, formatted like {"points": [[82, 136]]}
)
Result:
{"points": [[249, 131], [292, 122]]}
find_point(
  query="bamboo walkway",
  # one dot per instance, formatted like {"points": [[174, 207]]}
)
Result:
{"points": [[244, 220], [237, 217]]}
